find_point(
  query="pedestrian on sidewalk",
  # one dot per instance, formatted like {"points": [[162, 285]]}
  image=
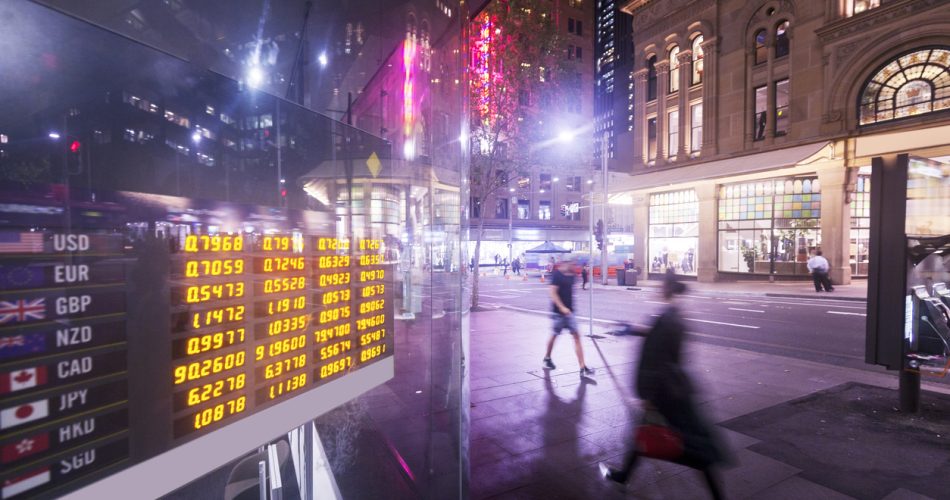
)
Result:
{"points": [[663, 386], [516, 266], [504, 266], [562, 304], [585, 275], [818, 267]]}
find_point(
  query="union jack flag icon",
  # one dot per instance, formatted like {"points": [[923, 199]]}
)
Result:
{"points": [[22, 310]]}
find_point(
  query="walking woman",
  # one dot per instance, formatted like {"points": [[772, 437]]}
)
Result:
{"points": [[664, 386]]}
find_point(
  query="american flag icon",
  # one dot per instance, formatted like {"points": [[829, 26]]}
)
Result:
{"points": [[11, 242], [22, 310]]}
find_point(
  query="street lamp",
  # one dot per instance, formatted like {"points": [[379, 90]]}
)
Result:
{"points": [[514, 201]]}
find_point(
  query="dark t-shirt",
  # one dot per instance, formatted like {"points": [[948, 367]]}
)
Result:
{"points": [[565, 289]]}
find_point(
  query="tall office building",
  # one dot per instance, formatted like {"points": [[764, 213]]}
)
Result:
{"points": [[613, 90]]}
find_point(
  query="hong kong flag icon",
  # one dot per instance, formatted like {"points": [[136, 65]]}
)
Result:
{"points": [[26, 378], [24, 447], [17, 415]]}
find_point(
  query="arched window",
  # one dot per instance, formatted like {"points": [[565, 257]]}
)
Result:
{"points": [[761, 51], [698, 54], [781, 39], [651, 78], [913, 84], [674, 69]]}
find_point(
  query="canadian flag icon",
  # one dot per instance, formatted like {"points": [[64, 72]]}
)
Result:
{"points": [[25, 378]]}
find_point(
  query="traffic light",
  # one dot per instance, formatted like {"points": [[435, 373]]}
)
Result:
{"points": [[74, 157], [599, 234]]}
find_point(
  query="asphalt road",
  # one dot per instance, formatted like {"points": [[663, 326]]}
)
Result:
{"points": [[824, 331]]}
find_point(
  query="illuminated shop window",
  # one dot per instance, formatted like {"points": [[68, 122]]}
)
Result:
{"points": [[860, 225], [674, 232], [769, 226], [913, 84]]}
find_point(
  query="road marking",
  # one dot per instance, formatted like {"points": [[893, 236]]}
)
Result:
{"points": [[746, 310], [654, 302], [847, 313], [726, 301], [721, 323]]}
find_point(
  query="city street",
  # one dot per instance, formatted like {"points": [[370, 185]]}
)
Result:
{"points": [[821, 330]]}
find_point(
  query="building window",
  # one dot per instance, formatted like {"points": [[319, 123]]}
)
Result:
{"points": [[913, 84], [696, 127], [501, 208], [578, 53], [674, 69], [673, 134], [781, 108], [761, 51], [859, 6], [651, 79], [579, 28], [573, 184], [524, 209], [545, 182], [570, 25], [769, 226], [673, 236], [651, 139], [698, 55], [544, 210], [476, 207], [860, 224], [759, 117], [781, 39]]}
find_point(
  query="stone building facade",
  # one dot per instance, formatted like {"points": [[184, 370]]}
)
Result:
{"points": [[756, 124]]}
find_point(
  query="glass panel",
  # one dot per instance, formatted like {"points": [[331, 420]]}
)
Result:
{"points": [[673, 139], [781, 39], [243, 250], [759, 118], [674, 69], [696, 124], [698, 55], [761, 51], [782, 118]]}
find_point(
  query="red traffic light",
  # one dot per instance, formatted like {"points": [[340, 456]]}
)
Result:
{"points": [[75, 146]]}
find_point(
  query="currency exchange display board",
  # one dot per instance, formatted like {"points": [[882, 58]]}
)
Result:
{"points": [[138, 323]]}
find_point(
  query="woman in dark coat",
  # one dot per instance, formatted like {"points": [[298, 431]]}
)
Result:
{"points": [[663, 385]]}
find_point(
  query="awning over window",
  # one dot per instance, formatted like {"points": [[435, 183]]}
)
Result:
{"points": [[749, 164]]}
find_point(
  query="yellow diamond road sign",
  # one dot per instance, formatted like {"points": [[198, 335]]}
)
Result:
{"points": [[374, 164]]}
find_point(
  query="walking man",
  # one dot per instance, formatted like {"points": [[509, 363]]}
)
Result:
{"points": [[562, 302], [818, 267]]}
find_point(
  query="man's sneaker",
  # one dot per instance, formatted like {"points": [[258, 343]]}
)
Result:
{"points": [[548, 364], [609, 474], [587, 372]]}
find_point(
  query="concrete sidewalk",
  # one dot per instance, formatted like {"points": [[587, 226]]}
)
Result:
{"points": [[540, 434]]}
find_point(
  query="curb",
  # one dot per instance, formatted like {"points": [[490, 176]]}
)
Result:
{"points": [[816, 296], [656, 289]]}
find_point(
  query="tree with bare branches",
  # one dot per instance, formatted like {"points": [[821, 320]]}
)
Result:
{"points": [[518, 77]]}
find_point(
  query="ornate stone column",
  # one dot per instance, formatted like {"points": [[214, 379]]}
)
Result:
{"points": [[639, 122], [685, 59], [641, 220], [836, 220], [710, 93], [662, 90]]}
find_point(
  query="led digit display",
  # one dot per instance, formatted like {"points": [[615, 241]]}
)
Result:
{"points": [[278, 347], [331, 332], [214, 267], [333, 261], [280, 285], [220, 411], [370, 260], [335, 314], [197, 294], [282, 244], [370, 244], [366, 323], [281, 264], [200, 344], [286, 304], [282, 326], [335, 296], [372, 352], [334, 279], [274, 391], [217, 316], [335, 367], [218, 388], [213, 243], [335, 349], [276, 368], [374, 336], [372, 306], [333, 244], [372, 290], [201, 369], [373, 275]]}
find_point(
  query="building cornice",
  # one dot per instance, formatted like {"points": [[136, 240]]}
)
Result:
{"points": [[632, 6], [883, 15]]}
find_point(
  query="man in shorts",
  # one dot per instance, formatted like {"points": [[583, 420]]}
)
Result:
{"points": [[562, 302]]}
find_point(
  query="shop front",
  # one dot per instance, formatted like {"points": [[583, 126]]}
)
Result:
{"points": [[674, 232]]}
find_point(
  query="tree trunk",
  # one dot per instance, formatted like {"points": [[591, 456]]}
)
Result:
{"points": [[476, 256]]}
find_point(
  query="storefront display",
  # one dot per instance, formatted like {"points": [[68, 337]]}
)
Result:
{"points": [[674, 232], [769, 226], [861, 223]]}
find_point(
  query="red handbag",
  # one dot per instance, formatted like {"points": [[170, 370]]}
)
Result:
{"points": [[655, 439]]}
